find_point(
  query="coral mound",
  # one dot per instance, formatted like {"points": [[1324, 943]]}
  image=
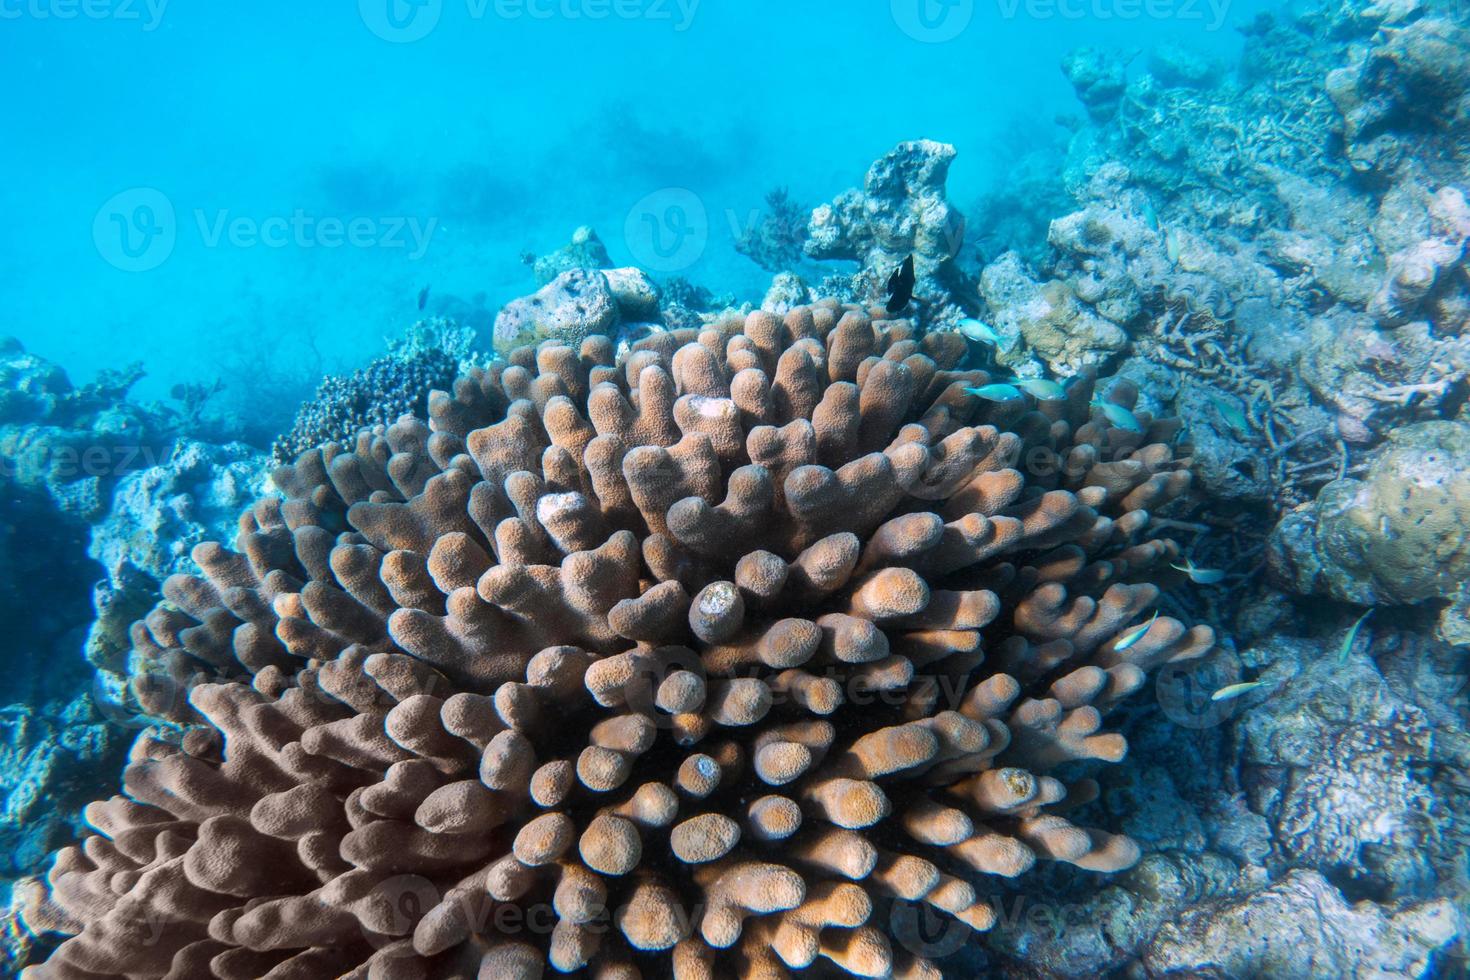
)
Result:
{"points": [[716, 661]]}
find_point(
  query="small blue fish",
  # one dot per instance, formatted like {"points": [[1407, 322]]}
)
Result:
{"points": [[1150, 215], [1351, 639], [975, 330], [1233, 416], [1200, 576], [996, 392], [1118, 416], [1133, 636], [1042, 388], [1236, 690]]}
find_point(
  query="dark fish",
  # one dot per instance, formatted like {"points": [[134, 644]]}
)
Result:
{"points": [[901, 286], [423, 297]]}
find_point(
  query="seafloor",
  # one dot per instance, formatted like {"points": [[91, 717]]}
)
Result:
{"points": [[1103, 611]]}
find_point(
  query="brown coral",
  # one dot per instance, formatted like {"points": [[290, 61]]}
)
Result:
{"points": [[665, 665]]}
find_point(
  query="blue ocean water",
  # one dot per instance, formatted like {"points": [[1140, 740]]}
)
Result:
{"points": [[257, 133]]}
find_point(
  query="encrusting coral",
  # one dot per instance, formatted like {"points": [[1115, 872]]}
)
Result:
{"points": [[695, 663]]}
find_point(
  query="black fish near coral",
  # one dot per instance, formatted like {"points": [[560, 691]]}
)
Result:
{"points": [[901, 286]]}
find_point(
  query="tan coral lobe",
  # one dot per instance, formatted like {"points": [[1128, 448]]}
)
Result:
{"points": [[692, 663]]}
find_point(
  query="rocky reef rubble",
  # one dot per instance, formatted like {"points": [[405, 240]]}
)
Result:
{"points": [[902, 209], [102, 495], [157, 516]]}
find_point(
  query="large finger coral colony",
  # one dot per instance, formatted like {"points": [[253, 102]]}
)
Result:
{"points": [[698, 660]]}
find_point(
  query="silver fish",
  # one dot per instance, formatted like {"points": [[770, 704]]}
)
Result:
{"points": [[1236, 690], [1042, 388], [1133, 636], [981, 333], [1351, 640], [1200, 576]]}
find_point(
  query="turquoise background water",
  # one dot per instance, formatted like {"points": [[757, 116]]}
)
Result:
{"points": [[496, 132]]}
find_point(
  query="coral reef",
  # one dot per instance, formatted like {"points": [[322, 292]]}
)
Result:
{"points": [[1099, 78], [777, 241], [429, 356], [1396, 536], [46, 755], [902, 210], [585, 251], [1301, 927], [1044, 324], [1414, 76], [670, 661], [158, 515]]}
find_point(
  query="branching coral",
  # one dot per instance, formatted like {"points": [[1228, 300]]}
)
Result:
{"points": [[399, 382], [668, 665]]}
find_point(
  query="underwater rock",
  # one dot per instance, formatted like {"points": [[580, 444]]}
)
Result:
{"points": [[902, 210], [1109, 252], [1356, 779], [585, 251], [1414, 76], [575, 305], [1375, 379], [1175, 65], [787, 292], [1099, 78], [1395, 537], [157, 516], [49, 755], [1328, 238], [637, 296], [62, 451], [1430, 268], [1301, 928], [1228, 463], [1044, 322], [1057, 935]]}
